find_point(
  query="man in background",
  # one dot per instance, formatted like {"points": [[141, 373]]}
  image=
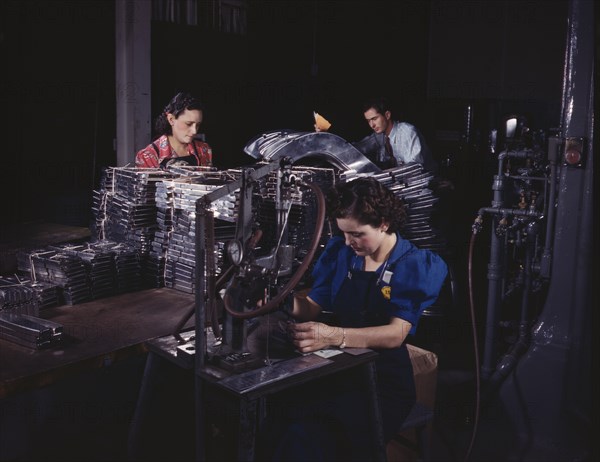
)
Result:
{"points": [[392, 143]]}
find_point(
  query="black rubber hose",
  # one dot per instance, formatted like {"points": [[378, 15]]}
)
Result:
{"points": [[192, 309], [476, 349]]}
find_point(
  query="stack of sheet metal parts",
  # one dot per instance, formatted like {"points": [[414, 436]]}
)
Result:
{"points": [[138, 207], [81, 272], [17, 298], [125, 207], [15, 292], [29, 331], [99, 259], [98, 266], [175, 239], [127, 268], [65, 271]]}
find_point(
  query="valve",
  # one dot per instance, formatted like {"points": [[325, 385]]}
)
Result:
{"points": [[502, 227], [477, 224]]}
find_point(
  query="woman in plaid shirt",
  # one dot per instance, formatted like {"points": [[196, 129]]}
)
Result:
{"points": [[177, 125]]}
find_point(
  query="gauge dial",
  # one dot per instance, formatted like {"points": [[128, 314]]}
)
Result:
{"points": [[235, 252]]}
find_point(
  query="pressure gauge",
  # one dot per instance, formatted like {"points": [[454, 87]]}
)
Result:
{"points": [[235, 252]]}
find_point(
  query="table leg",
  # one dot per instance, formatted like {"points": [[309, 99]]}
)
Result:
{"points": [[141, 407], [247, 429]]}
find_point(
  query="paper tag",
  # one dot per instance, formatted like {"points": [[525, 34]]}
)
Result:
{"points": [[328, 353], [387, 276]]}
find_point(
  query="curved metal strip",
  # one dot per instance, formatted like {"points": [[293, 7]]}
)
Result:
{"points": [[296, 145]]}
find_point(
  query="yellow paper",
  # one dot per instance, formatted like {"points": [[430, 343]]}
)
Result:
{"points": [[321, 122]]}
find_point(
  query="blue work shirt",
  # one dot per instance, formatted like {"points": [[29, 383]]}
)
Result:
{"points": [[412, 277]]}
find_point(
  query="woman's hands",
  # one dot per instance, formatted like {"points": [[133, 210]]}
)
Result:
{"points": [[313, 336]]}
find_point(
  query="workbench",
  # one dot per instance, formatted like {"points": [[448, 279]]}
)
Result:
{"points": [[239, 399], [95, 334], [101, 332]]}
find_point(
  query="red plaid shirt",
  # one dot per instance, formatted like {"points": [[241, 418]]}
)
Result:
{"points": [[153, 154]]}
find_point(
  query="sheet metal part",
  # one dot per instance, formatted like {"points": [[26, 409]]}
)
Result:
{"points": [[65, 271], [276, 145], [29, 331], [18, 295], [181, 196]]}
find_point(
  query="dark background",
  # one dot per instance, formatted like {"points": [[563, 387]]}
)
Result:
{"points": [[433, 59]]}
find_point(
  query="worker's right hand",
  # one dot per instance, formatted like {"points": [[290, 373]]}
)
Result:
{"points": [[313, 336]]}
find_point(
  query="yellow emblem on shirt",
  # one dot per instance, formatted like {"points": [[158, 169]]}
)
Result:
{"points": [[387, 292]]}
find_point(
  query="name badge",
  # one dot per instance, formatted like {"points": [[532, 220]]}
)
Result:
{"points": [[387, 276]]}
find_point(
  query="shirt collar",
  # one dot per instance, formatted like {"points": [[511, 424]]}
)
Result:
{"points": [[401, 248]]}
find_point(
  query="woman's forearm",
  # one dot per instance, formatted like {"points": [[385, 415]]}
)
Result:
{"points": [[305, 309]]}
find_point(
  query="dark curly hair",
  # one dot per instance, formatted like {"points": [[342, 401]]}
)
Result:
{"points": [[178, 104], [380, 104], [367, 201]]}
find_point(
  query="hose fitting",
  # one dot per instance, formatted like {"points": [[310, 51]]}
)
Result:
{"points": [[477, 224]]}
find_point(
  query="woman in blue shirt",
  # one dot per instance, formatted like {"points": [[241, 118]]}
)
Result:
{"points": [[377, 284]]}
